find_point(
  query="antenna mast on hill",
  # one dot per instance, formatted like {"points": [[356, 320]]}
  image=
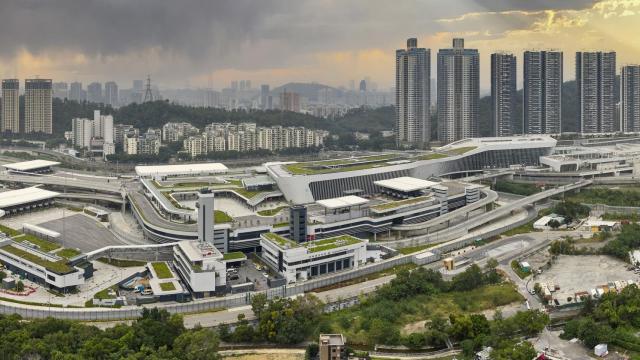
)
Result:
{"points": [[148, 95]]}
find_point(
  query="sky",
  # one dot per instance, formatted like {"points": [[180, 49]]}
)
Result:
{"points": [[201, 43]]}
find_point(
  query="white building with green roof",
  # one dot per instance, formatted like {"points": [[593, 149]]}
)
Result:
{"points": [[302, 261]]}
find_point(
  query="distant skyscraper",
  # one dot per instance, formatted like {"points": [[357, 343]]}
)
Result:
{"points": [[458, 92], [37, 106], [503, 93], [10, 120], [94, 92], [595, 78], [60, 90], [542, 106], [363, 85], [75, 92], [413, 91], [290, 101], [630, 98], [111, 93], [264, 94]]}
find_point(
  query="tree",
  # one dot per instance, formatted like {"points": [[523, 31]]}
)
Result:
{"points": [[19, 286], [509, 351], [414, 341], [258, 302], [200, 344], [554, 224], [2, 275]]}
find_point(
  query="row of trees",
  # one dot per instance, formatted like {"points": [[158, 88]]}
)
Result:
{"points": [[156, 335], [617, 197]]}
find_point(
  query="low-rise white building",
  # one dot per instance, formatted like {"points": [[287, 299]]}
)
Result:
{"points": [[201, 267], [301, 261], [39, 266]]}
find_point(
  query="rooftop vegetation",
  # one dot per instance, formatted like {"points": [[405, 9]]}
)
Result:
{"points": [[42, 244], [59, 267], [9, 231], [271, 212], [331, 243], [220, 217], [280, 240], [167, 286], [322, 167], [431, 156], [396, 204], [236, 255], [162, 270], [68, 253], [461, 150]]}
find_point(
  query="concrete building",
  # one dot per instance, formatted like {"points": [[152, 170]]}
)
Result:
{"points": [[542, 103], [302, 261], [264, 97], [94, 92], [31, 166], [176, 131], [630, 98], [289, 101], [16, 201], [595, 79], [60, 90], [413, 91], [503, 93], [76, 92], [200, 265], [332, 347], [37, 106], [10, 119], [111, 93], [82, 132], [458, 92]]}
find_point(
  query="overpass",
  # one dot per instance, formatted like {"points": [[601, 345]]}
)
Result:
{"points": [[72, 182], [117, 200], [495, 214]]}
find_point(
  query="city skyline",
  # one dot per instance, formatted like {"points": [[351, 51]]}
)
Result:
{"points": [[122, 44]]}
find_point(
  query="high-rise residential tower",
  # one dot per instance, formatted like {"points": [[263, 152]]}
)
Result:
{"points": [[542, 103], [630, 98], [595, 79], [111, 93], [413, 74], [94, 92], [37, 106], [76, 92], [458, 92], [10, 119], [264, 94], [503, 93]]}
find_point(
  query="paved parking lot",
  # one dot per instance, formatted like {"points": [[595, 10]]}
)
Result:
{"points": [[248, 273], [82, 232]]}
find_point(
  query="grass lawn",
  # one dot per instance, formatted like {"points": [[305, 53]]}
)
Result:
{"points": [[167, 286], [220, 217], [59, 267], [9, 231], [422, 307], [68, 253], [104, 294], [122, 263], [518, 270], [271, 212], [522, 229], [246, 193], [44, 245], [162, 270], [236, 255], [462, 150]]}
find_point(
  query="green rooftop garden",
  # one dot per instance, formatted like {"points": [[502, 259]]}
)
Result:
{"points": [[331, 243], [44, 245], [220, 217], [58, 267], [461, 150], [167, 286], [396, 204], [68, 253], [236, 255], [9, 231], [162, 270], [280, 240], [431, 156], [318, 167], [271, 212]]}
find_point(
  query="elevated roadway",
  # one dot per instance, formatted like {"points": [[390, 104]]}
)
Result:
{"points": [[67, 181], [502, 211]]}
